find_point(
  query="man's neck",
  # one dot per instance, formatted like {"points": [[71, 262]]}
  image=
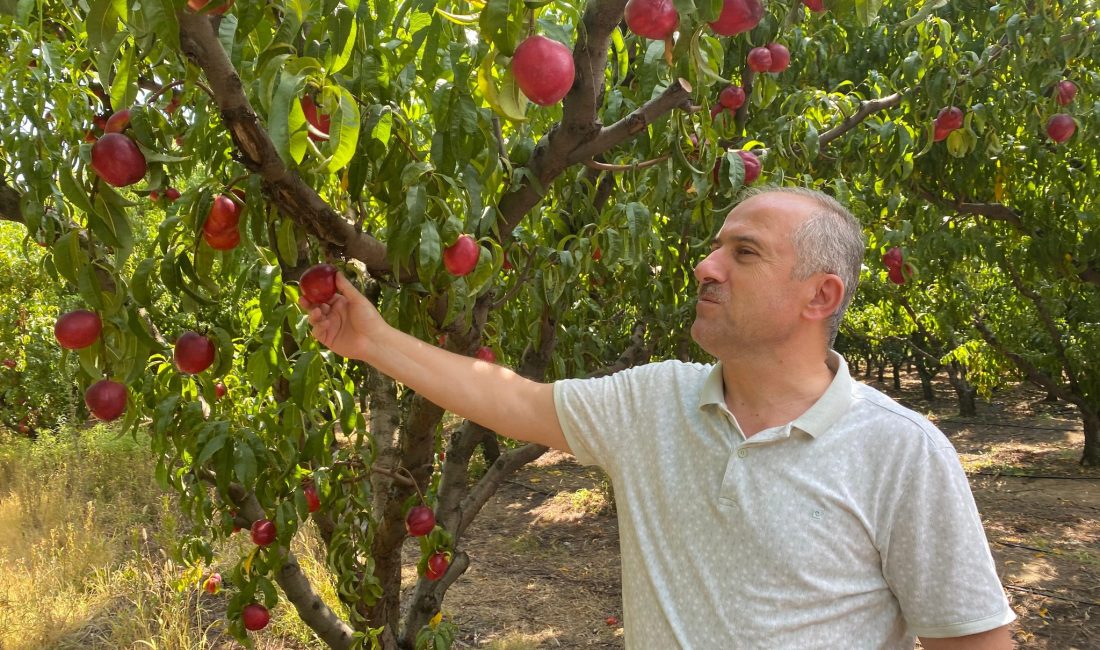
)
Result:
{"points": [[768, 392]]}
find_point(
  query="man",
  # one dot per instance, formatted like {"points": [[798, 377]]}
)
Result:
{"points": [[767, 501]]}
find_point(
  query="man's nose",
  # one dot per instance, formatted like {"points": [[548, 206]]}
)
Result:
{"points": [[707, 270]]}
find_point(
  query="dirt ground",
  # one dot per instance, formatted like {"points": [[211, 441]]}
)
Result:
{"points": [[545, 562]]}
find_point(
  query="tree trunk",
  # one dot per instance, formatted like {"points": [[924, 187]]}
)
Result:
{"points": [[964, 391], [896, 368], [882, 371], [867, 368], [1091, 420], [1051, 397], [926, 375]]}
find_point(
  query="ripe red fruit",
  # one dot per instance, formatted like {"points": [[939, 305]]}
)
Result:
{"points": [[420, 521], [752, 166], [197, 6], [89, 136], [940, 133], [117, 160], [194, 353], [9, 363], [213, 584], [950, 118], [1064, 92], [313, 502], [900, 273], [319, 121], [222, 241], [219, 390], [318, 283], [100, 122], [224, 214], [760, 59], [892, 258], [437, 566], [255, 617], [263, 532], [461, 257], [656, 19], [1060, 127], [106, 399], [611, 620], [172, 194], [817, 6], [485, 353], [732, 97], [173, 104], [77, 329], [118, 122], [737, 16], [781, 57], [154, 196], [543, 69], [597, 255]]}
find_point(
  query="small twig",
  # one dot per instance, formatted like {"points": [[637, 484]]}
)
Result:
{"points": [[397, 477], [1049, 595], [606, 167]]}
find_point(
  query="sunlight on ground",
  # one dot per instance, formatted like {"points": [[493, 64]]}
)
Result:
{"points": [[523, 640]]}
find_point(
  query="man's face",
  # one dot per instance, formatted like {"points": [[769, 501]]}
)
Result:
{"points": [[748, 299]]}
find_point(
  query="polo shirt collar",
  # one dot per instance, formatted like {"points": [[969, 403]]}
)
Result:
{"points": [[829, 408]]}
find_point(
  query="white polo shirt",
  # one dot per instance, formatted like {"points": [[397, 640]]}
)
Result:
{"points": [[851, 527]]}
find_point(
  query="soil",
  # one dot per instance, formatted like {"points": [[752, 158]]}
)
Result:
{"points": [[544, 570]]}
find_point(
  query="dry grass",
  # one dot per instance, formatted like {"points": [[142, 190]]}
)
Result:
{"points": [[84, 533]]}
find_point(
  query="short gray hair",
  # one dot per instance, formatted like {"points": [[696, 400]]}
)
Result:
{"points": [[830, 241]]}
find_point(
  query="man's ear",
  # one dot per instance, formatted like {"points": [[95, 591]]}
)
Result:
{"points": [[827, 297]]}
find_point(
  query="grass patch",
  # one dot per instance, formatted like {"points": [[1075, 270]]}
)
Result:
{"points": [[85, 534]]}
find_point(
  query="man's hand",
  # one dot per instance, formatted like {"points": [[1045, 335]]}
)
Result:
{"points": [[345, 323]]}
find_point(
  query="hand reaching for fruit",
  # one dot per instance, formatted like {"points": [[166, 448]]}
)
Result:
{"points": [[344, 323]]}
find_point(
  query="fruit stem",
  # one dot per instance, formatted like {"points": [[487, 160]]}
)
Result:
{"points": [[402, 471]]}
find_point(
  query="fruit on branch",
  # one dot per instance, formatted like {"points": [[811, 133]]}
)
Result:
{"points": [[760, 59], [752, 166], [213, 584], [437, 565], [1064, 92], [485, 353], [172, 194], [318, 283], [732, 97], [461, 257], [263, 532], [947, 120], [255, 617], [597, 254], [199, 5], [106, 399], [313, 501], [892, 258], [220, 228], [77, 329], [543, 69], [420, 521], [656, 19], [118, 122], [1060, 127], [737, 16], [219, 390], [173, 104], [117, 160], [319, 121], [816, 6], [223, 215], [781, 57], [194, 353]]}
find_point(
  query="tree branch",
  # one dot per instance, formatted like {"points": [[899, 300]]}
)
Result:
{"points": [[1047, 320], [865, 109], [257, 152]]}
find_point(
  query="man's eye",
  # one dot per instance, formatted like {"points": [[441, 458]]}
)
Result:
{"points": [[745, 251]]}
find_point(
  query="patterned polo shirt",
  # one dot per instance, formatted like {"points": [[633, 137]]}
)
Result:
{"points": [[851, 527]]}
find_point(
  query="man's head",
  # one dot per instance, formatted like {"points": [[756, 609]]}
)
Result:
{"points": [[786, 263]]}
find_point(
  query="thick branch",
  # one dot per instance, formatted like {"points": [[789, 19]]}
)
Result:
{"points": [[9, 204], [1046, 319], [1030, 370], [257, 152], [852, 121]]}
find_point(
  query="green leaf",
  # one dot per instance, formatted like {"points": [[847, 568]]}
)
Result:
{"points": [[73, 191], [68, 258], [124, 87], [429, 252], [458, 19], [286, 240], [344, 129], [245, 466], [161, 16], [346, 31], [303, 381], [211, 447], [101, 24]]}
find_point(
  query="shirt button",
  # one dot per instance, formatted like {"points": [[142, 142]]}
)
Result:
{"points": [[741, 453]]}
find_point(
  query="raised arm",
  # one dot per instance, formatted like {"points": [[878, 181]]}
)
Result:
{"points": [[491, 395]]}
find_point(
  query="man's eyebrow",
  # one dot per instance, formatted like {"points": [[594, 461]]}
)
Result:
{"points": [[739, 239]]}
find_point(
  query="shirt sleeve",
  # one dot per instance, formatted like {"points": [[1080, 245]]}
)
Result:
{"points": [[937, 559], [601, 415]]}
